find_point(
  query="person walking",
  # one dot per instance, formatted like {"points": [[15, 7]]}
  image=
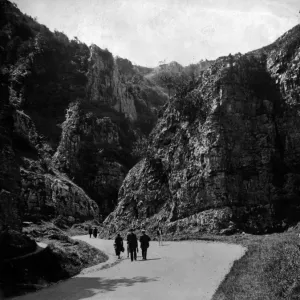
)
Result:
{"points": [[128, 250], [133, 244], [144, 240], [95, 232], [118, 245], [158, 232], [90, 231]]}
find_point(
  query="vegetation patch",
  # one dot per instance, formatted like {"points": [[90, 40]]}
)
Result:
{"points": [[269, 270], [61, 259]]}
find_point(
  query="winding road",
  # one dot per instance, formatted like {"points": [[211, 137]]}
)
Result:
{"points": [[176, 270]]}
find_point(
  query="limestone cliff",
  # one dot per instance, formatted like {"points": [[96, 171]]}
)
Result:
{"points": [[48, 195], [74, 115], [91, 152], [116, 83], [104, 83], [45, 192], [224, 156]]}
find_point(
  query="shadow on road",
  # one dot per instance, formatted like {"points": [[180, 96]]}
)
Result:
{"points": [[84, 287], [150, 259]]}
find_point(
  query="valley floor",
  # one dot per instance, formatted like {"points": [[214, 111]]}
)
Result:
{"points": [[176, 270]]}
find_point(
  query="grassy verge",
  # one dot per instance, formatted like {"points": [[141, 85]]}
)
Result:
{"points": [[269, 270]]}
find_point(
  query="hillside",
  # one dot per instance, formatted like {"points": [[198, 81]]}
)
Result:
{"points": [[172, 77], [71, 117], [224, 156]]}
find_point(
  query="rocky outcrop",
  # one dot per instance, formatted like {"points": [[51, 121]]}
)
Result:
{"points": [[91, 152], [49, 195], [100, 83], [104, 83], [114, 82], [10, 202], [224, 154], [44, 191], [79, 127]]}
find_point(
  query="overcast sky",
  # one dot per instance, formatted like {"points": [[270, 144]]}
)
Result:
{"points": [[149, 31]]}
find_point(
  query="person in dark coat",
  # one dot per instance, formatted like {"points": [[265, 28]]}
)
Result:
{"points": [[95, 232], [128, 250], [119, 245], [90, 231], [132, 244], [144, 240]]}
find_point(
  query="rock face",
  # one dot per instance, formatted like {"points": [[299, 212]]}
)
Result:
{"points": [[10, 202], [224, 156], [49, 195], [70, 121], [44, 192], [90, 151], [104, 83]]}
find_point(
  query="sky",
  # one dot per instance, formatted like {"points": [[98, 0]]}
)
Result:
{"points": [[150, 31]]}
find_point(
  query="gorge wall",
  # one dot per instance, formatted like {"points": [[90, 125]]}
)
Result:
{"points": [[10, 202], [224, 156], [70, 119]]}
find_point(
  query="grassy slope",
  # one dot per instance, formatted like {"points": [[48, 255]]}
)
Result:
{"points": [[269, 270]]}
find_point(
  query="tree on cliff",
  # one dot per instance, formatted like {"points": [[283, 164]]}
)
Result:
{"points": [[175, 78], [167, 80], [140, 148], [179, 83], [191, 72]]}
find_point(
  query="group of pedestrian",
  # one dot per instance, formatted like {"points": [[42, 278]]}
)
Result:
{"points": [[93, 231], [132, 244]]}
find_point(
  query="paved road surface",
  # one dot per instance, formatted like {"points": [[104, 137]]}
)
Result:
{"points": [[177, 270]]}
